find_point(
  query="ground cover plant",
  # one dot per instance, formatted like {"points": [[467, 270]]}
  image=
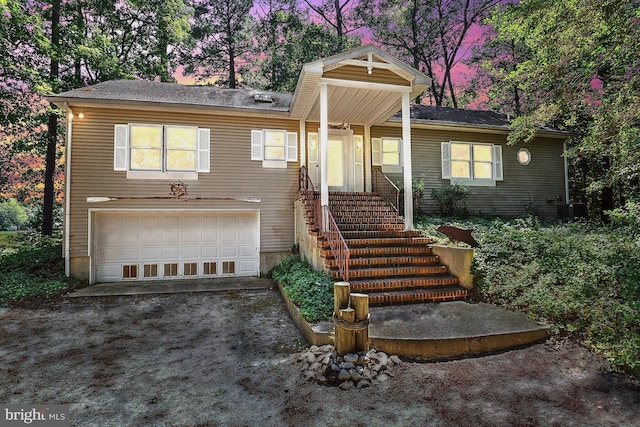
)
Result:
{"points": [[311, 291], [583, 279], [32, 269]]}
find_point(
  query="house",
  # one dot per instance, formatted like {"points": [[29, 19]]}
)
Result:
{"points": [[171, 181]]}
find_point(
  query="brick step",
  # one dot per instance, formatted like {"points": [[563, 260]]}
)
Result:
{"points": [[386, 261], [402, 283], [370, 227], [405, 271], [381, 251], [417, 296], [390, 241], [366, 234], [369, 220]]}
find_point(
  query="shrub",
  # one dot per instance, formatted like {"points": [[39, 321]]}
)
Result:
{"points": [[310, 290], [451, 200]]}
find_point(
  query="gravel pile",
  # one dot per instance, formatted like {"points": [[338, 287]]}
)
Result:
{"points": [[360, 370]]}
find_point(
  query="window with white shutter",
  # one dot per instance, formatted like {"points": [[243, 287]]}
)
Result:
{"points": [[150, 151], [274, 147], [386, 152], [474, 164]]}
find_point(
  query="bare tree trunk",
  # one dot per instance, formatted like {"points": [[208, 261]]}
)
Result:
{"points": [[52, 134]]}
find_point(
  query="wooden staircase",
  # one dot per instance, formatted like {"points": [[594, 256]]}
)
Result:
{"points": [[389, 264]]}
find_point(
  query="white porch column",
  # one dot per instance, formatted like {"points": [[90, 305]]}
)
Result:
{"points": [[303, 144], [406, 162], [324, 149], [367, 158]]}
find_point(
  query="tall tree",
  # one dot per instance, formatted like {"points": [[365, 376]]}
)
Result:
{"points": [[338, 14], [286, 39], [430, 34], [584, 71], [222, 39]]}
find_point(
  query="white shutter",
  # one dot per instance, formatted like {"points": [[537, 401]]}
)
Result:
{"points": [[497, 162], [204, 151], [445, 152], [256, 145], [358, 166], [120, 147], [312, 153], [376, 151], [292, 147]]}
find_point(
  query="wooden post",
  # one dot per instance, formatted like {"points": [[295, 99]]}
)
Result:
{"points": [[345, 338], [361, 306], [341, 291]]}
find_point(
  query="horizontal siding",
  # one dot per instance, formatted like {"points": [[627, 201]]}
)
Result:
{"points": [[233, 174], [355, 73], [526, 189]]}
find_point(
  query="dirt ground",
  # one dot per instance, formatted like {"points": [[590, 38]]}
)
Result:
{"points": [[209, 359]]}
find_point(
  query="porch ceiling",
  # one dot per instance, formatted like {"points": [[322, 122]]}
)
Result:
{"points": [[365, 86]]}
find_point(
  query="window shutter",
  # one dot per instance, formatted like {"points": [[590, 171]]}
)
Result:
{"points": [[358, 166], [121, 147], [204, 151], [292, 147], [497, 162], [256, 145], [312, 153], [445, 152], [376, 151]]}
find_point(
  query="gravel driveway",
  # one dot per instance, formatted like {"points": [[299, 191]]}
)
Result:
{"points": [[229, 358]]}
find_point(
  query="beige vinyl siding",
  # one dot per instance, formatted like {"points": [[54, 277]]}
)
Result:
{"points": [[526, 189], [232, 174], [355, 73]]}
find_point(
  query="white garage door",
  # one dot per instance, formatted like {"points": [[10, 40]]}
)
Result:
{"points": [[175, 245]]}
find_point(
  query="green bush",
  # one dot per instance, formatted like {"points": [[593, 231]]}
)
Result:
{"points": [[451, 200], [310, 290]]}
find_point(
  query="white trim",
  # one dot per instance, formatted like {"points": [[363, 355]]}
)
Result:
{"points": [[355, 84], [324, 147], [496, 164], [367, 157], [406, 162], [566, 171], [183, 176], [67, 192]]}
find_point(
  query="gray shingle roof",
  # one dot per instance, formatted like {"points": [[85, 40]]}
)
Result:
{"points": [[177, 94], [457, 116]]}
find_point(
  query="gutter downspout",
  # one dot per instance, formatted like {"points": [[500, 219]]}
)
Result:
{"points": [[67, 190], [566, 171]]}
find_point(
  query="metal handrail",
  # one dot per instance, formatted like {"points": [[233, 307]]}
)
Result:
{"points": [[338, 245], [386, 189]]}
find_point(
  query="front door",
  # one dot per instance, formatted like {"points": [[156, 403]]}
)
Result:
{"points": [[339, 162]]}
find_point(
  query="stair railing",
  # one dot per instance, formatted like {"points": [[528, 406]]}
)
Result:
{"points": [[329, 229], [382, 185], [339, 248]]}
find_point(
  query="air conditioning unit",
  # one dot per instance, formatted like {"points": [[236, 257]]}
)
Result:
{"points": [[571, 211]]}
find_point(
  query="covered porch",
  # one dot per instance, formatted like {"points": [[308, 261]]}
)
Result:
{"points": [[337, 102]]}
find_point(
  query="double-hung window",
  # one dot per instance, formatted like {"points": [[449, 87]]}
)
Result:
{"points": [[471, 163], [385, 152], [161, 151], [274, 147]]}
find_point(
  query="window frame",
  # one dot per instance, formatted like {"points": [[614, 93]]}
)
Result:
{"points": [[496, 164], [258, 148], [123, 147], [378, 152]]}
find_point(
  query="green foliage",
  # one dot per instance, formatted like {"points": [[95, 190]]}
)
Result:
{"points": [[451, 200], [581, 278], [33, 270], [310, 290], [12, 214]]}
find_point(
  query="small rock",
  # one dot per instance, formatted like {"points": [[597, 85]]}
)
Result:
{"points": [[326, 360], [309, 375], [359, 369], [363, 384], [327, 348], [355, 376], [363, 360], [395, 359], [311, 357], [335, 367], [382, 378], [347, 365], [315, 366], [348, 385], [314, 348], [344, 375], [351, 358], [332, 378]]}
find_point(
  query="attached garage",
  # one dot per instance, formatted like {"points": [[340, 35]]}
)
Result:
{"points": [[154, 245]]}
